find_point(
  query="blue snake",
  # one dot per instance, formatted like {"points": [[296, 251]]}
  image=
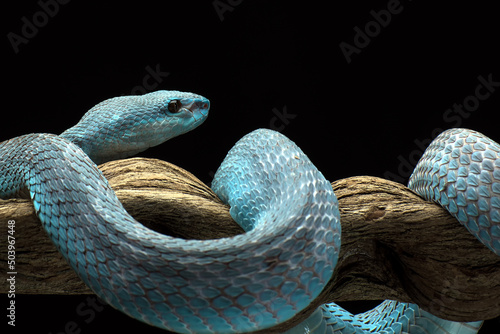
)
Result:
{"points": [[288, 209]]}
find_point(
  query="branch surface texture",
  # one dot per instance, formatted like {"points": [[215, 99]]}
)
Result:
{"points": [[395, 245]]}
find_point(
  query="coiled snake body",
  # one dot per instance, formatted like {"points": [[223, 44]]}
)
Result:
{"points": [[248, 282]]}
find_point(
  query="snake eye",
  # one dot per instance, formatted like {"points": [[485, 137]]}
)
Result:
{"points": [[174, 106]]}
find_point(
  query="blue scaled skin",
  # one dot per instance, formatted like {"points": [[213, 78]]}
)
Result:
{"points": [[245, 283], [124, 126], [460, 170]]}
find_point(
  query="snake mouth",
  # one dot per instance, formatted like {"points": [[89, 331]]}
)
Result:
{"points": [[199, 109]]}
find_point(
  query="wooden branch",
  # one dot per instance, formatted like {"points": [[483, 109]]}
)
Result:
{"points": [[395, 245]]}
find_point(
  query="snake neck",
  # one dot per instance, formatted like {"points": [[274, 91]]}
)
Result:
{"points": [[78, 137], [81, 138], [98, 147]]}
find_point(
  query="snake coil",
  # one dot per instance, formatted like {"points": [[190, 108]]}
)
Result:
{"points": [[288, 209]]}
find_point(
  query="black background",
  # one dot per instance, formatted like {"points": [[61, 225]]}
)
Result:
{"points": [[259, 58]]}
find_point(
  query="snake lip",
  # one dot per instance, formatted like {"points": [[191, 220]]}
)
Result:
{"points": [[198, 109]]}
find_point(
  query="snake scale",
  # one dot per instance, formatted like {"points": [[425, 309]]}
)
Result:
{"points": [[288, 209]]}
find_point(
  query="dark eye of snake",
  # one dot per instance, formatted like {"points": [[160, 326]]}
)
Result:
{"points": [[174, 106]]}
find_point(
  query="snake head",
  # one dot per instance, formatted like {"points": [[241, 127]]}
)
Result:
{"points": [[123, 126]]}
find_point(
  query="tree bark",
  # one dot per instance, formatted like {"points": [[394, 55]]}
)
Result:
{"points": [[395, 245]]}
